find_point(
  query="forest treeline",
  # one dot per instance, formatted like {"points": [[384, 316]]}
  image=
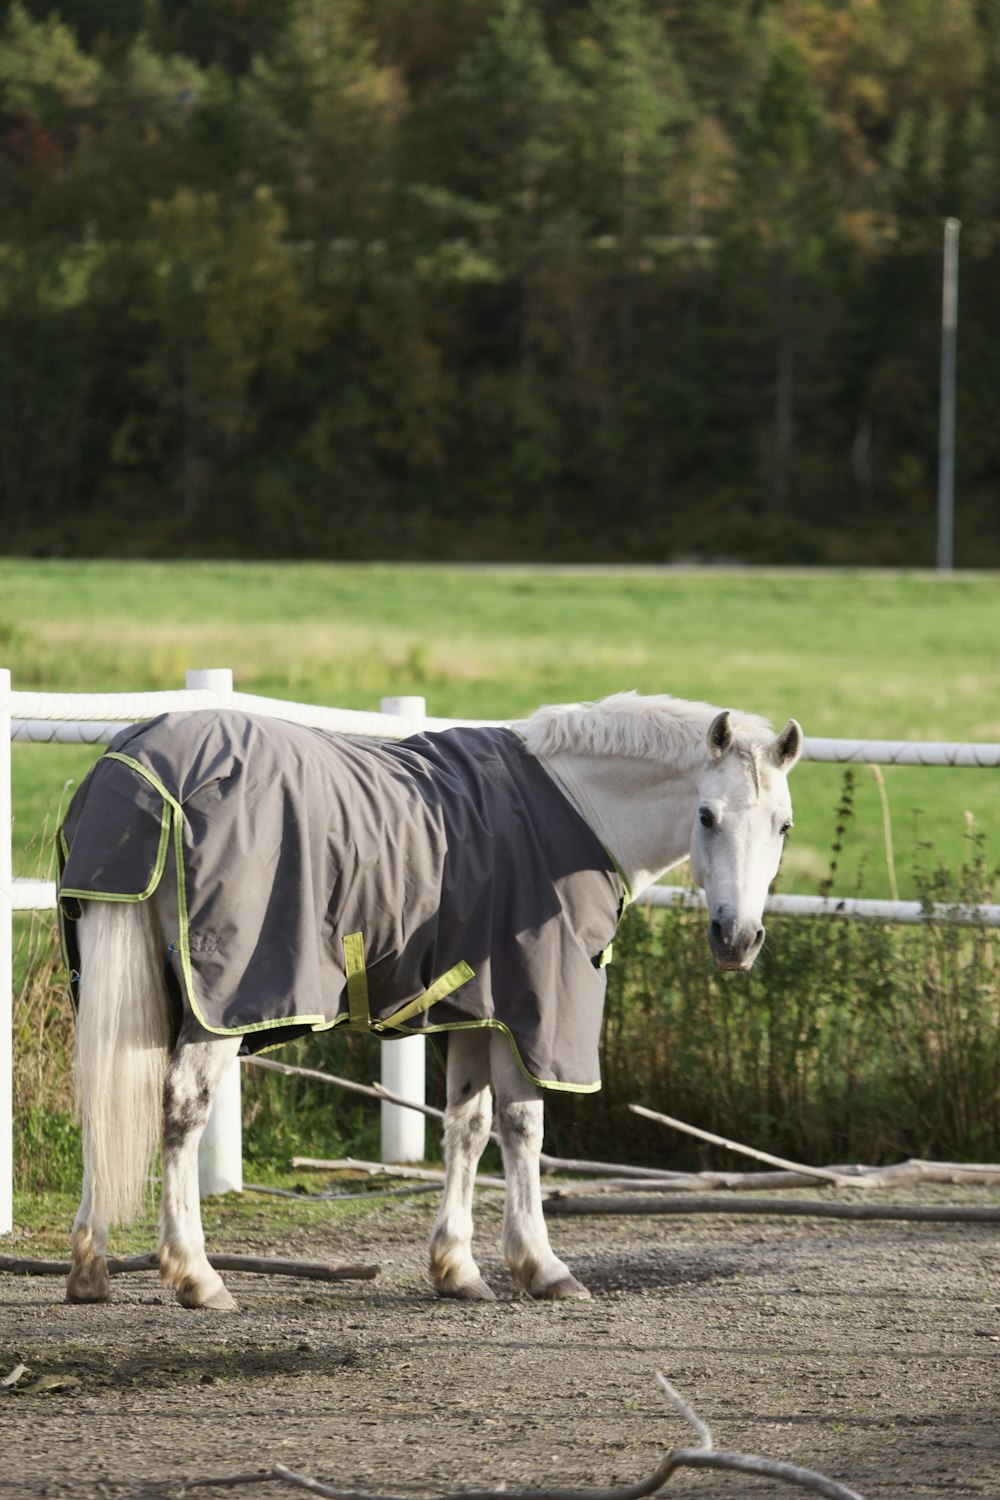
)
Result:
{"points": [[557, 279]]}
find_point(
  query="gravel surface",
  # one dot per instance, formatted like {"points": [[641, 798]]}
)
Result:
{"points": [[866, 1351]]}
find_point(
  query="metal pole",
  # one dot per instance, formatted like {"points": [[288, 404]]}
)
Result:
{"points": [[220, 1150], [946, 451], [404, 1064]]}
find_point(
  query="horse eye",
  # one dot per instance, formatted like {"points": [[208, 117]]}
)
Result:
{"points": [[786, 828], [706, 818]]}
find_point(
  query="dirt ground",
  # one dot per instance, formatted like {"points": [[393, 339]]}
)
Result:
{"points": [[866, 1351]]}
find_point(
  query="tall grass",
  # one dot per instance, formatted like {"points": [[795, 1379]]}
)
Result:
{"points": [[46, 1138], [849, 1041]]}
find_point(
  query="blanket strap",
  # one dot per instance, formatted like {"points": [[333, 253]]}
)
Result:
{"points": [[359, 1015], [357, 981], [459, 974]]}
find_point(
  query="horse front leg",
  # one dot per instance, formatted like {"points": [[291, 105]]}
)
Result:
{"points": [[466, 1131], [197, 1065], [525, 1236]]}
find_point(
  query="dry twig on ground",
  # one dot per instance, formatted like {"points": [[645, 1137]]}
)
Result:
{"points": [[705, 1456]]}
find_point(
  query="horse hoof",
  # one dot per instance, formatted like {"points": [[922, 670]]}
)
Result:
{"points": [[221, 1300], [469, 1291], [566, 1289], [80, 1289], [90, 1284]]}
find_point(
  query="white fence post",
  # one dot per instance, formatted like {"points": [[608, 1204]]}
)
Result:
{"points": [[220, 1151], [404, 1060], [6, 965]]}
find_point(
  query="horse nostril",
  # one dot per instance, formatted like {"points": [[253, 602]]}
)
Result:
{"points": [[734, 941]]}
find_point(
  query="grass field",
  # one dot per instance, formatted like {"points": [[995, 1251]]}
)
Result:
{"points": [[847, 653]]}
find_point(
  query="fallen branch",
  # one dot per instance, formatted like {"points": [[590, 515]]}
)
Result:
{"points": [[385, 1169], [822, 1173], [310, 1270], [794, 1174], [950, 1173], [705, 1456], [369, 1168], [709, 1182], [790, 1175], [292, 1070], [652, 1203], [604, 1168], [689, 1182], [384, 1095], [427, 1179], [960, 1174], [336, 1195]]}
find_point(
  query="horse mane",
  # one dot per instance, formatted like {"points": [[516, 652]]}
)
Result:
{"points": [[657, 727]]}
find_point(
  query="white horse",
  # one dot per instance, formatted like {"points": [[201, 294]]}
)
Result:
{"points": [[656, 779]]}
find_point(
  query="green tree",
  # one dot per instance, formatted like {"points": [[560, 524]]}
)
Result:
{"points": [[498, 144], [320, 112], [226, 33], [491, 217], [784, 234], [223, 309], [48, 89], [632, 107]]}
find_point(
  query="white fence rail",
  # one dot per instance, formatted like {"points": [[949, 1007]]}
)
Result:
{"points": [[95, 718], [901, 753]]}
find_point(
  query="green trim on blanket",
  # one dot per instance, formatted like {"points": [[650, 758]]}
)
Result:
{"points": [[170, 807], [61, 917], [431, 1032], [493, 1024], [172, 825], [166, 818]]}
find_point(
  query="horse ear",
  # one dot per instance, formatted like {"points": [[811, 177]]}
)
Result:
{"points": [[720, 735], [787, 747]]}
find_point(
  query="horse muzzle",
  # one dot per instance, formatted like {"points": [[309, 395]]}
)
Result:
{"points": [[734, 944]]}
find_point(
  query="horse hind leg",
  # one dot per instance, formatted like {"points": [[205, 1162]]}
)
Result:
{"points": [[525, 1236], [466, 1131], [198, 1062], [122, 1036], [88, 1279]]}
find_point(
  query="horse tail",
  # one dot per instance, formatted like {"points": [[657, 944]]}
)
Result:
{"points": [[123, 1039]]}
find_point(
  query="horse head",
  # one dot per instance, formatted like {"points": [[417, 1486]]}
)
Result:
{"points": [[742, 815]]}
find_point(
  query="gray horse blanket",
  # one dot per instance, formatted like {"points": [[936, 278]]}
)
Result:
{"points": [[308, 880]]}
